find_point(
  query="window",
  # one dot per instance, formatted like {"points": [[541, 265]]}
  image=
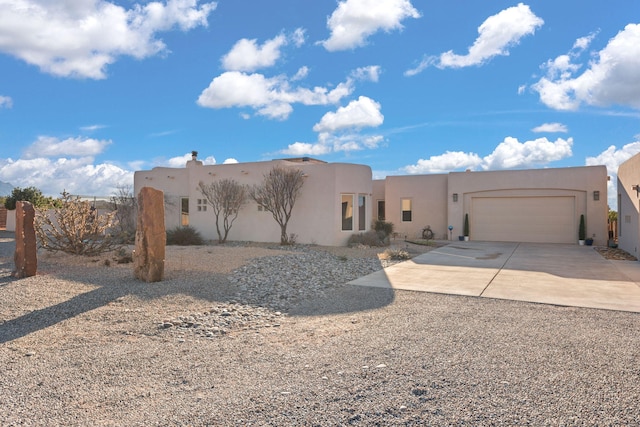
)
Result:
{"points": [[362, 212], [202, 205], [406, 210], [381, 216], [184, 211], [347, 212]]}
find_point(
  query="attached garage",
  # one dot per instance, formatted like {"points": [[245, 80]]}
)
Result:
{"points": [[538, 219]]}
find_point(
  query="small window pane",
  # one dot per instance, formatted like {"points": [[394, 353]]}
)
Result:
{"points": [[347, 212], [406, 210], [381, 216], [184, 211], [362, 212]]}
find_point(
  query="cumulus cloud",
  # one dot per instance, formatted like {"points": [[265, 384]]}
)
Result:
{"points": [[364, 112], [496, 35], [355, 20], [509, 154], [247, 55], [612, 158], [268, 96], [81, 38], [6, 102], [338, 131], [75, 175], [609, 79], [551, 128], [47, 146]]}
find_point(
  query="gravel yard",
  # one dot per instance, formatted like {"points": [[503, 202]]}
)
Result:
{"points": [[260, 335]]}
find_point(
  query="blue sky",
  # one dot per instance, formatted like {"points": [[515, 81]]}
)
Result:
{"points": [[91, 90]]}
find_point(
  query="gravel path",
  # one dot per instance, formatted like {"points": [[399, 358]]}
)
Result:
{"points": [[254, 335]]}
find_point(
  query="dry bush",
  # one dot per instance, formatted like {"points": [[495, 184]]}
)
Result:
{"points": [[368, 238], [75, 228]]}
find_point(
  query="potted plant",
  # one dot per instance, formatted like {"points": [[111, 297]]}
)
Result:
{"points": [[581, 231], [466, 227], [588, 241]]}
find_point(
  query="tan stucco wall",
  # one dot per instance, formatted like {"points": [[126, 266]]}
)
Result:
{"points": [[316, 217], [629, 205], [428, 195], [579, 182]]}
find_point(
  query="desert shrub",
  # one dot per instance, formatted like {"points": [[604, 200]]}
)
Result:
{"points": [[368, 238], [383, 227], [75, 227], [184, 236], [396, 254]]}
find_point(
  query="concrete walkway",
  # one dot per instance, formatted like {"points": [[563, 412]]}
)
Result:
{"points": [[568, 275]]}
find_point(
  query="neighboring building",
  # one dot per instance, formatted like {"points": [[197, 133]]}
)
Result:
{"points": [[629, 205], [335, 201], [338, 200]]}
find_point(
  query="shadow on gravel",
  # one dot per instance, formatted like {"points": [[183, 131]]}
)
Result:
{"points": [[205, 286], [345, 299]]}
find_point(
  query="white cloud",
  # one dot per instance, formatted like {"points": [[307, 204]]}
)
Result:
{"points": [[328, 143], [81, 38], [495, 36], [355, 20], [246, 55], [364, 112], [229, 161], [91, 128], [551, 128], [75, 175], [6, 102], [271, 97], [611, 77], [370, 73], [337, 131], [509, 154], [47, 146], [305, 148], [449, 161], [612, 158], [181, 161], [301, 73]]}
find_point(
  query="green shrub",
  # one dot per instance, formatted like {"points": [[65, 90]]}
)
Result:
{"points": [[383, 227], [184, 236], [368, 238]]}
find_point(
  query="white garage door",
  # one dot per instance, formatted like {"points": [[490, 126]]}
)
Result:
{"points": [[523, 219]]}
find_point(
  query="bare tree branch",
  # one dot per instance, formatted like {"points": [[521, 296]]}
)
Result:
{"points": [[226, 197], [277, 194]]}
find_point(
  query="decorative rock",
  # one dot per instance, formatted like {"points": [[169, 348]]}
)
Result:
{"points": [[151, 237], [25, 256]]}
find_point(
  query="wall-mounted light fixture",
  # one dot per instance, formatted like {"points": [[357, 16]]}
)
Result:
{"points": [[455, 197], [596, 195], [637, 188]]}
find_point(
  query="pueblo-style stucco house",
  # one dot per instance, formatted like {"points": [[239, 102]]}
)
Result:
{"points": [[340, 199], [629, 205]]}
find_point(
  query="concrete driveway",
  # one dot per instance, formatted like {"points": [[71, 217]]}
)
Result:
{"points": [[568, 275]]}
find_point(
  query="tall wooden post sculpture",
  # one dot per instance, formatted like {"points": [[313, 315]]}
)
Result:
{"points": [[25, 256], [151, 238]]}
